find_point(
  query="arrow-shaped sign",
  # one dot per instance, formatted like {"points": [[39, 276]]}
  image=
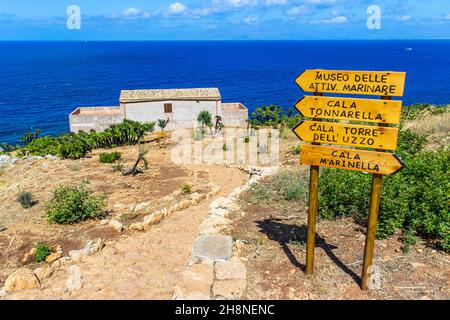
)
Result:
{"points": [[380, 83], [351, 159], [367, 110], [348, 134]]}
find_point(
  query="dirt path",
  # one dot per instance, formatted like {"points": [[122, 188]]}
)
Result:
{"points": [[139, 266]]}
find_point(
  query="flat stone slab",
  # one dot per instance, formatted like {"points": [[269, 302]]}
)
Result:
{"points": [[195, 283], [229, 270], [212, 247], [229, 289], [213, 225]]}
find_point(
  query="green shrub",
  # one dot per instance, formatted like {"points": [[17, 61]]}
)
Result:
{"points": [[296, 149], [71, 204], [291, 185], [343, 193], [30, 136], [25, 198], [275, 116], [7, 148], [128, 132], [42, 147], [409, 239], [78, 145], [294, 191], [186, 188], [287, 185], [117, 166], [270, 115], [410, 143], [109, 157], [293, 121], [72, 147], [416, 199], [42, 251], [260, 193]]}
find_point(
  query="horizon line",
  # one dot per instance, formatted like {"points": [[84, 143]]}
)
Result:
{"points": [[223, 40]]}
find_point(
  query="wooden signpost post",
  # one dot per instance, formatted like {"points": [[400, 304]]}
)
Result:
{"points": [[379, 137]]}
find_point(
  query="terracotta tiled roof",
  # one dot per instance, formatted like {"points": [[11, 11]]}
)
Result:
{"points": [[169, 94]]}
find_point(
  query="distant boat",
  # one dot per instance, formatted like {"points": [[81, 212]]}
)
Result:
{"points": [[408, 49]]}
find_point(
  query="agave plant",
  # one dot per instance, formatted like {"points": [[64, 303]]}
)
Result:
{"points": [[219, 124], [163, 123], [141, 158]]}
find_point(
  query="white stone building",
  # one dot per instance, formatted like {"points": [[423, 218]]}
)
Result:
{"points": [[180, 106]]}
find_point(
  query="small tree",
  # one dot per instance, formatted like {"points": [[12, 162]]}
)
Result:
{"points": [[141, 157], [205, 119], [30, 136], [163, 123], [219, 124]]}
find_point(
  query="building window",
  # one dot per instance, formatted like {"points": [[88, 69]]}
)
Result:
{"points": [[167, 108]]}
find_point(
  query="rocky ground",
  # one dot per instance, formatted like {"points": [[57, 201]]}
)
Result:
{"points": [[153, 200], [140, 265], [271, 240], [158, 242], [128, 198]]}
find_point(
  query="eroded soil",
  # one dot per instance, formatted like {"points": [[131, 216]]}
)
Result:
{"points": [[273, 238]]}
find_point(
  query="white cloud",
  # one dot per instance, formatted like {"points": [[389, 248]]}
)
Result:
{"points": [[443, 17], [132, 12], [203, 11], [321, 1], [221, 6], [251, 20], [334, 20], [176, 8], [236, 3], [404, 18], [276, 2], [296, 11]]}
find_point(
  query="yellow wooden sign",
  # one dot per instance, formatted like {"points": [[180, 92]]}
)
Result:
{"points": [[380, 83], [351, 159], [367, 110], [348, 134]]}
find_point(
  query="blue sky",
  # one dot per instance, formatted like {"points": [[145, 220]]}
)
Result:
{"points": [[223, 19]]}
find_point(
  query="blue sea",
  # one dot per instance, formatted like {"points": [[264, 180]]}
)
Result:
{"points": [[42, 82]]}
